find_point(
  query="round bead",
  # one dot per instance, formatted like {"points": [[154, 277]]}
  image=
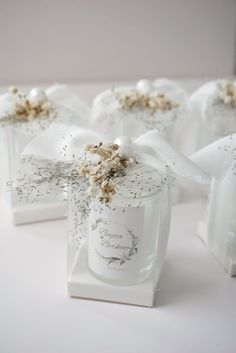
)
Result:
{"points": [[37, 95], [125, 145], [143, 86]]}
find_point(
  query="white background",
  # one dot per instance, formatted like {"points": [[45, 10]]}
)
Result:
{"points": [[84, 40]]}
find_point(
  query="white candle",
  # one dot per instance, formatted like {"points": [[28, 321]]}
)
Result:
{"points": [[122, 238]]}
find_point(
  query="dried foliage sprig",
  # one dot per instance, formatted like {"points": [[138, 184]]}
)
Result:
{"points": [[111, 174], [135, 100], [26, 110], [41, 178], [102, 173], [227, 94]]}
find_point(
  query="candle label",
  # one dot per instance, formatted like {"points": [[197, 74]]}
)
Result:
{"points": [[115, 240]]}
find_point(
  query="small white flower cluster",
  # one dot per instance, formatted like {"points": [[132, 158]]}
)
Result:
{"points": [[227, 93], [27, 109], [101, 175], [154, 102]]}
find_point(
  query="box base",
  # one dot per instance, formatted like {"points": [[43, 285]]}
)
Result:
{"points": [[225, 261], [175, 194], [82, 284], [36, 213]]}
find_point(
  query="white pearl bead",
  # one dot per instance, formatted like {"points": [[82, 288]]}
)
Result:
{"points": [[143, 86], [37, 95], [125, 144]]}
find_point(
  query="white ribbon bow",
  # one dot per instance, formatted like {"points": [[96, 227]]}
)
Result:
{"points": [[63, 143]]}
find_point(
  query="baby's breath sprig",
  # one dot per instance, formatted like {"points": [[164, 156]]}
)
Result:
{"points": [[26, 110], [102, 174], [227, 93], [135, 100]]}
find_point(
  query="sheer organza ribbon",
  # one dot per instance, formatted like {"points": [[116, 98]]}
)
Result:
{"points": [[64, 143], [217, 159]]}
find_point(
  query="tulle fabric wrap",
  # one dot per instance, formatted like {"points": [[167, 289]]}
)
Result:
{"points": [[54, 158], [214, 118], [110, 118], [69, 108]]}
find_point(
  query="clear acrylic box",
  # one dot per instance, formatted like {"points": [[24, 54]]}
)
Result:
{"points": [[110, 117], [118, 253], [218, 227], [47, 207], [23, 117], [212, 113]]}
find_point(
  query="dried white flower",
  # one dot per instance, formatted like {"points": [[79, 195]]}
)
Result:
{"points": [[26, 110], [153, 102], [101, 174], [227, 93]]}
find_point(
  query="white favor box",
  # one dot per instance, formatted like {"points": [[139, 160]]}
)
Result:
{"points": [[117, 252], [111, 118], [218, 228], [23, 117], [47, 208], [212, 116]]}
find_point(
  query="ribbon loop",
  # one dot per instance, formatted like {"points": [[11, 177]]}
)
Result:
{"points": [[65, 143]]}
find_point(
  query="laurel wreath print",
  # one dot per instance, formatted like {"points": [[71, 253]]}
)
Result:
{"points": [[127, 255]]}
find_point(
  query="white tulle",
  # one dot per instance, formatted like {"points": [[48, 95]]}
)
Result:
{"points": [[109, 118], [216, 116], [69, 109], [218, 160], [64, 143]]}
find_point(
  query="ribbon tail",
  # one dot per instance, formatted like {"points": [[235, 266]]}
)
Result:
{"points": [[60, 142], [51, 159], [164, 229], [62, 95], [216, 158], [152, 143], [151, 161]]}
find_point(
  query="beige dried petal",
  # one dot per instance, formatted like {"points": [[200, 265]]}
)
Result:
{"points": [[227, 94], [101, 174], [154, 102], [13, 90]]}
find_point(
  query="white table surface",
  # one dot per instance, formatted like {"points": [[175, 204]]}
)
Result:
{"points": [[195, 307]]}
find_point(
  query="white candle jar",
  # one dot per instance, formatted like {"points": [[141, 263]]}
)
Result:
{"points": [[125, 239], [122, 239]]}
